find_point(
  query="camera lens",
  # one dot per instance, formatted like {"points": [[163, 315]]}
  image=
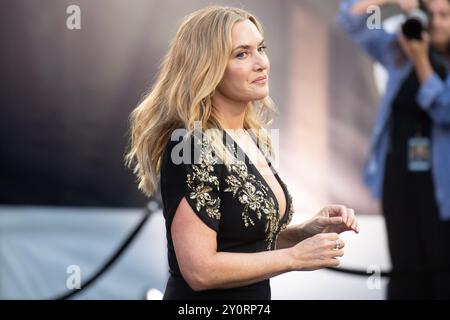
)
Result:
{"points": [[415, 24]]}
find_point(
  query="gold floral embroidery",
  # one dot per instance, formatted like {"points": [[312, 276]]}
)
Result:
{"points": [[253, 194], [202, 182], [250, 192]]}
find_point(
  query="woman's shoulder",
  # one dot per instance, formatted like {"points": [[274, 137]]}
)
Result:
{"points": [[175, 147], [189, 148]]}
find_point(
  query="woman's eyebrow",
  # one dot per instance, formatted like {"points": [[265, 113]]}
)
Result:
{"points": [[246, 46]]}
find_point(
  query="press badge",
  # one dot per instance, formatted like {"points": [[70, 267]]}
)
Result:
{"points": [[419, 156]]}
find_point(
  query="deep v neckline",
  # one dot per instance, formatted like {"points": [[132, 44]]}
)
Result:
{"points": [[261, 177]]}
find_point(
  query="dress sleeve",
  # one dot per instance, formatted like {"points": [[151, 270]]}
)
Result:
{"points": [[194, 172]]}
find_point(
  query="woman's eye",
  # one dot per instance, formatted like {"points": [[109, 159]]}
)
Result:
{"points": [[262, 49], [244, 54], [241, 55]]}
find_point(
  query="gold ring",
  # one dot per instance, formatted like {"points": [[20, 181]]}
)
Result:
{"points": [[338, 245]]}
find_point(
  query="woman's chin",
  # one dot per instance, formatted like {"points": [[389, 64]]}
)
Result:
{"points": [[439, 43], [261, 95]]}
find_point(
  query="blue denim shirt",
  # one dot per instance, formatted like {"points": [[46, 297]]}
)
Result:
{"points": [[433, 96]]}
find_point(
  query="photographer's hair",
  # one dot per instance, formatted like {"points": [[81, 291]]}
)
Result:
{"points": [[181, 96]]}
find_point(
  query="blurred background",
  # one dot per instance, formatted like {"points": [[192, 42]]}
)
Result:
{"points": [[66, 198]]}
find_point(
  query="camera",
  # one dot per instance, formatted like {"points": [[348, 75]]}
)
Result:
{"points": [[416, 22]]}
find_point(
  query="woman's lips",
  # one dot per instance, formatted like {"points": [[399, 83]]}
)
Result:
{"points": [[260, 80]]}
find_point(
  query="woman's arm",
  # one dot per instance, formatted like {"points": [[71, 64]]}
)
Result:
{"points": [[331, 219], [204, 268], [434, 97], [361, 7], [424, 69], [292, 235], [377, 43]]}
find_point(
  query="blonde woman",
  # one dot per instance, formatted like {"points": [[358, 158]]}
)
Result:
{"points": [[201, 130]]}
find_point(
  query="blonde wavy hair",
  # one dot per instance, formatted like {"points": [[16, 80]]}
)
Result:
{"points": [[181, 95]]}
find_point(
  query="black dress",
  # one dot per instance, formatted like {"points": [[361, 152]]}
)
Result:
{"points": [[234, 200]]}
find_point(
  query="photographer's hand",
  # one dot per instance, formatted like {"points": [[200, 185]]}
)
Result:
{"points": [[417, 52], [407, 5], [360, 7]]}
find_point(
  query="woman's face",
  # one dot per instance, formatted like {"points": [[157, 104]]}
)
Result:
{"points": [[246, 77], [439, 11]]}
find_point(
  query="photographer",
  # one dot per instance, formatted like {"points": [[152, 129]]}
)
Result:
{"points": [[409, 161]]}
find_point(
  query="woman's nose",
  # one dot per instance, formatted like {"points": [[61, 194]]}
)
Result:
{"points": [[261, 62]]}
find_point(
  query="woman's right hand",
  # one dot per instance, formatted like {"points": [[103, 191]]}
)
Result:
{"points": [[317, 252]]}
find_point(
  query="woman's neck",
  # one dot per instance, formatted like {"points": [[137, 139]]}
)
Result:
{"points": [[443, 51], [231, 114]]}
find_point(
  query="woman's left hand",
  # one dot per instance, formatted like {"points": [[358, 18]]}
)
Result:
{"points": [[332, 219], [416, 50]]}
